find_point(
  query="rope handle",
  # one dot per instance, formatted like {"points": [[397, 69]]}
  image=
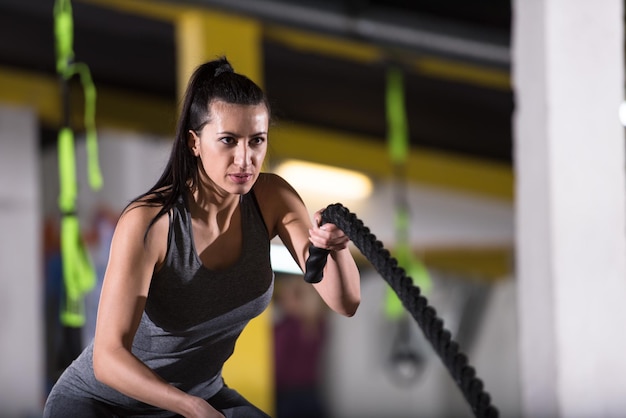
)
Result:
{"points": [[314, 271], [413, 301], [315, 264]]}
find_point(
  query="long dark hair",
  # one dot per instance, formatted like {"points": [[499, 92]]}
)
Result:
{"points": [[212, 81]]}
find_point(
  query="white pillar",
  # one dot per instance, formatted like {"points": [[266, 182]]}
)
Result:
{"points": [[22, 381], [570, 203]]}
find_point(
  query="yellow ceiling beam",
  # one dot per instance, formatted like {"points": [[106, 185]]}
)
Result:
{"points": [[365, 53], [369, 155], [162, 10], [493, 78], [21, 88], [114, 108], [481, 264], [324, 44]]}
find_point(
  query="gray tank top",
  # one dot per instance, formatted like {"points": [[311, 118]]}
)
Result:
{"points": [[193, 315]]}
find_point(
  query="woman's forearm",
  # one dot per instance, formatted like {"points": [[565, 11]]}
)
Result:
{"points": [[121, 370]]}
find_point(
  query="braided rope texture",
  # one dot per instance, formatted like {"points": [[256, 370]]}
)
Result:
{"points": [[448, 350]]}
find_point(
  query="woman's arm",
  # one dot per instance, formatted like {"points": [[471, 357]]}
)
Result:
{"points": [[122, 300], [340, 287]]}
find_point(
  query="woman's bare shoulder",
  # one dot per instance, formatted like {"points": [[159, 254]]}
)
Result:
{"points": [[139, 215], [277, 198], [140, 211], [270, 184]]}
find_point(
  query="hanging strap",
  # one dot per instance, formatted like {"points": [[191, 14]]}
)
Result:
{"points": [[64, 33], [398, 150], [79, 275]]}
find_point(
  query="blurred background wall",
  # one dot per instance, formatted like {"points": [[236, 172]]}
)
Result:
{"points": [[21, 264], [324, 67]]}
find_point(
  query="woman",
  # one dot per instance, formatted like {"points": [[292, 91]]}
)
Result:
{"points": [[189, 266]]}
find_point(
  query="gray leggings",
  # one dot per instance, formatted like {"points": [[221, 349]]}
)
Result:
{"points": [[228, 401]]}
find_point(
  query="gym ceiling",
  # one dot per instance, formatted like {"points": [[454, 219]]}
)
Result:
{"points": [[324, 65]]}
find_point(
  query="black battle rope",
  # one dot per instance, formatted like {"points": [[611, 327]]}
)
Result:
{"points": [[448, 350]]}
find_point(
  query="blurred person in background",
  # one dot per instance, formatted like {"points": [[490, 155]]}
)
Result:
{"points": [[299, 343]]}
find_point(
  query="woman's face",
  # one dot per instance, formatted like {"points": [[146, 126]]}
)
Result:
{"points": [[231, 148]]}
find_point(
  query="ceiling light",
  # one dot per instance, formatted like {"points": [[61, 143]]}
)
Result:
{"points": [[324, 180], [622, 113]]}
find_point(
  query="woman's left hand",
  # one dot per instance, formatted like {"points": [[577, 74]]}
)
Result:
{"points": [[327, 236]]}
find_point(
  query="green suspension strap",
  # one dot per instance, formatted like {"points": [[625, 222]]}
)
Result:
{"points": [[398, 149], [79, 274]]}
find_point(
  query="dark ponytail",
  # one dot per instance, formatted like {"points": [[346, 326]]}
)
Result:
{"points": [[212, 81]]}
